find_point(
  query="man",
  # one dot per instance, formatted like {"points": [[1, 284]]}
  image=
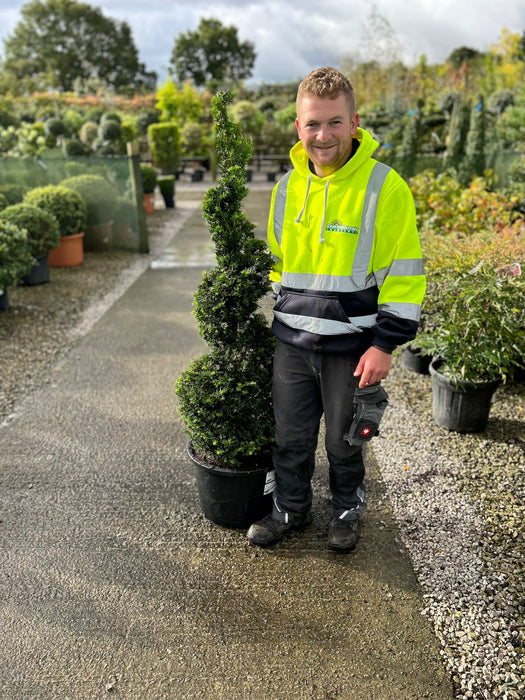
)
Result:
{"points": [[349, 281]]}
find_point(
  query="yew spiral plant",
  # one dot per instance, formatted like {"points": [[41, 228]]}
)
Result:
{"points": [[225, 395]]}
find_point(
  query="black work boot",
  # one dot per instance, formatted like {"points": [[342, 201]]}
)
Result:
{"points": [[343, 534], [269, 530]]}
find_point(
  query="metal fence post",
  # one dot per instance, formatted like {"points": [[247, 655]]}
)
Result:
{"points": [[138, 194]]}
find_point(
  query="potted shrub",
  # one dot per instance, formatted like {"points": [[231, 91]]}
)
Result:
{"points": [[100, 197], [149, 182], [42, 235], [14, 194], [167, 189], [15, 259], [476, 293], [69, 209], [165, 144], [225, 395]]}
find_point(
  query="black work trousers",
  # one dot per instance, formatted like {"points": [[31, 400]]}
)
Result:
{"points": [[307, 384]]}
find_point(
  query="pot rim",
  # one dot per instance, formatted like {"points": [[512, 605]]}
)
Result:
{"points": [[458, 384], [227, 471]]}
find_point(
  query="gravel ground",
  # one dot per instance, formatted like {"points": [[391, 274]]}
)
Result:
{"points": [[459, 500]]}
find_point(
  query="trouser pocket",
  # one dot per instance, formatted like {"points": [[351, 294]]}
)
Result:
{"points": [[369, 405]]}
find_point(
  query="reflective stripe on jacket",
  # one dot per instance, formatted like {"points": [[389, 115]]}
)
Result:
{"points": [[347, 255]]}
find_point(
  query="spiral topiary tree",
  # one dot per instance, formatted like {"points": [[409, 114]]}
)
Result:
{"points": [[225, 395]]}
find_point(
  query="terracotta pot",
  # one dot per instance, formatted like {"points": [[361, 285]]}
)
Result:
{"points": [[70, 251], [149, 207], [99, 237]]}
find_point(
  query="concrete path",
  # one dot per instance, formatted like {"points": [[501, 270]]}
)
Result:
{"points": [[112, 583]]}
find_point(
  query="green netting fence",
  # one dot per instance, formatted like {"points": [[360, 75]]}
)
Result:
{"points": [[122, 172]]}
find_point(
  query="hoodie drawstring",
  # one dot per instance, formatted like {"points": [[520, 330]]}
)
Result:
{"points": [[300, 216], [298, 220], [321, 239]]}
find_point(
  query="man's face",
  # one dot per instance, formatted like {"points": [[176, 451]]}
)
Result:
{"points": [[326, 128]]}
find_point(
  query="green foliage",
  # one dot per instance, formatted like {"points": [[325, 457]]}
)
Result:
{"points": [[41, 227], [475, 305], [98, 194], [164, 139], [193, 139], [3, 202], [109, 130], [88, 133], [14, 193], [73, 122], [445, 208], [212, 55], [91, 45], [74, 148], [149, 178], [457, 137], [68, 207], [166, 184], [145, 118], [410, 145], [54, 127], [474, 163], [225, 395], [179, 105], [15, 257]]}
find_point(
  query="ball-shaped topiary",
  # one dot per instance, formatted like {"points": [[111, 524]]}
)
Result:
{"points": [[109, 130], [42, 228], [149, 178], [13, 193], [88, 133], [99, 195], [66, 205], [74, 148], [54, 127], [15, 257]]}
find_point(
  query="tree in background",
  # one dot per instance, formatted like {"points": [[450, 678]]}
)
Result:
{"points": [[212, 55], [180, 105], [59, 41]]}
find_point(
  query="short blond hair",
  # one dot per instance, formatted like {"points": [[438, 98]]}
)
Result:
{"points": [[327, 82]]}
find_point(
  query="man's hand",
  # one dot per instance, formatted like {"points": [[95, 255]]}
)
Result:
{"points": [[373, 366]]}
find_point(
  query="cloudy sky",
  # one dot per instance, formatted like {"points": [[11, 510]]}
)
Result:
{"points": [[291, 38]]}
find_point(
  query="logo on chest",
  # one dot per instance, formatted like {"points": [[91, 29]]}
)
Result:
{"points": [[336, 225]]}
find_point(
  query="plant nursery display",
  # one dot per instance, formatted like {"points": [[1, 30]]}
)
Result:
{"points": [[69, 209], [149, 182], [474, 316], [15, 259], [225, 395], [42, 236]]}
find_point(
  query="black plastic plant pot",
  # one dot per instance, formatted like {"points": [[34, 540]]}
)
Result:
{"points": [[232, 498], [4, 300], [39, 273], [415, 361], [462, 407]]}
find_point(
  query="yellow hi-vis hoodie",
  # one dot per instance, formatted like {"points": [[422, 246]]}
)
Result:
{"points": [[348, 267]]}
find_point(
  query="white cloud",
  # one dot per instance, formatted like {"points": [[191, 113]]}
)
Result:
{"points": [[291, 38]]}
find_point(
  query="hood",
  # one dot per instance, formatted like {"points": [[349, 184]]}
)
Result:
{"points": [[367, 147]]}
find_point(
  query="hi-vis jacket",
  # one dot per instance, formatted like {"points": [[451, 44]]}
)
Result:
{"points": [[348, 267]]}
